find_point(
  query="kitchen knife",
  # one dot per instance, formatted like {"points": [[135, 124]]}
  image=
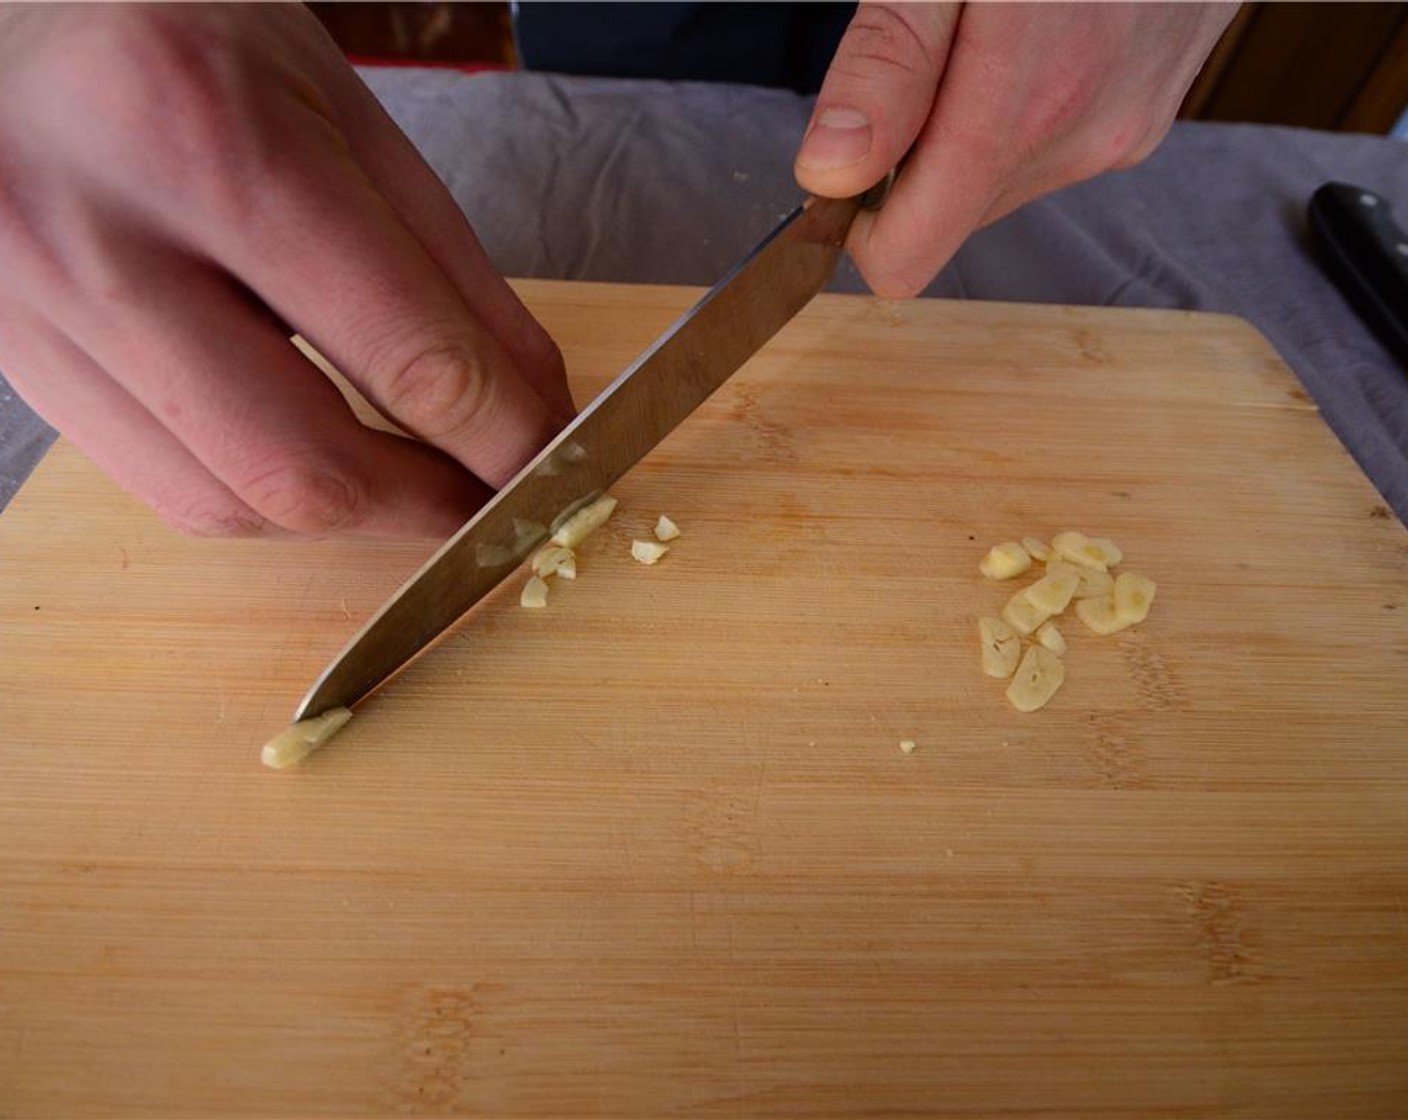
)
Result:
{"points": [[635, 412], [1365, 252]]}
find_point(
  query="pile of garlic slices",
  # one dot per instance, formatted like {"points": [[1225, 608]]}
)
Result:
{"points": [[557, 558], [1077, 570]]}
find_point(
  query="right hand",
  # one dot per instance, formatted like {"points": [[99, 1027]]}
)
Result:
{"points": [[990, 106], [183, 187]]}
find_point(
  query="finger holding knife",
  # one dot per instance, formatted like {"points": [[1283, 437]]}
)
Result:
{"points": [[995, 104]]}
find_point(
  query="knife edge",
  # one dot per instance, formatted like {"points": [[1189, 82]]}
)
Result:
{"points": [[641, 406]]}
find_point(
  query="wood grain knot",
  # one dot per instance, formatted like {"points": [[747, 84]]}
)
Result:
{"points": [[1118, 759], [1158, 686], [723, 832], [1379, 512], [1222, 932], [1092, 351], [772, 441], [436, 1029]]}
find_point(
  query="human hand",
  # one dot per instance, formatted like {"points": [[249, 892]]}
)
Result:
{"points": [[180, 188], [996, 104]]}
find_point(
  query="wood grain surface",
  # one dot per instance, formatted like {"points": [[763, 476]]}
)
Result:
{"points": [[655, 849]]}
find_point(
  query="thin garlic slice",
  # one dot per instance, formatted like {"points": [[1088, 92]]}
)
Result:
{"points": [[1002, 649], [648, 552], [295, 743], [550, 558], [535, 594], [1092, 584], [907, 746], [1080, 549], [584, 522], [1134, 595], [1023, 615], [1037, 550], [1005, 561], [1052, 593], [567, 569], [1049, 636], [1100, 616], [665, 529], [1113, 553], [1038, 677]]}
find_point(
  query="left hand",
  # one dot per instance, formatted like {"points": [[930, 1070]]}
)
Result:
{"points": [[996, 104]]}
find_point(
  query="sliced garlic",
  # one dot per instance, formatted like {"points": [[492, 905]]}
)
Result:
{"points": [[1037, 550], [1099, 615], [648, 552], [1080, 549], [1051, 638], [1113, 553], [665, 529], [550, 558], [1023, 615], [1068, 546], [1093, 582], [1001, 647], [294, 744], [1005, 561], [1134, 595], [907, 746], [1038, 677], [567, 569], [535, 594], [584, 522], [1052, 593]]}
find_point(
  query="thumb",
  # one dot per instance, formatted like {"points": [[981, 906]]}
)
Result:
{"points": [[876, 97]]}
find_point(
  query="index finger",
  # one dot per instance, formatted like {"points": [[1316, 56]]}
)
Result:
{"points": [[328, 254]]}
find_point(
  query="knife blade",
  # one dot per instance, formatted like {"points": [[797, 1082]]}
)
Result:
{"points": [[676, 374]]}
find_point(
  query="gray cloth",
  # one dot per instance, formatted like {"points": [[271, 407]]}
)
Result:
{"points": [[653, 182], [23, 440]]}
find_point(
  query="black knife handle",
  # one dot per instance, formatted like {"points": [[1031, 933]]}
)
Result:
{"points": [[1365, 252]]}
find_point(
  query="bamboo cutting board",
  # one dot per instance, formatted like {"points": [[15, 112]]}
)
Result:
{"points": [[655, 849]]}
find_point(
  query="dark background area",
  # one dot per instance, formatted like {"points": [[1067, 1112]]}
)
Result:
{"points": [[1340, 67]]}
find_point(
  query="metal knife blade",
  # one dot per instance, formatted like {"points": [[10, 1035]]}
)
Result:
{"points": [[633, 414]]}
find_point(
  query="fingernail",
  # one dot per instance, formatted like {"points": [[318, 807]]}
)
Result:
{"points": [[838, 137]]}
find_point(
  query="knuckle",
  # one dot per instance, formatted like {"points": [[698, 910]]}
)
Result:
{"points": [[892, 278], [213, 517], [1062, 106], [439, 392], [881, 39], [156, 78], [307, 497]]}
